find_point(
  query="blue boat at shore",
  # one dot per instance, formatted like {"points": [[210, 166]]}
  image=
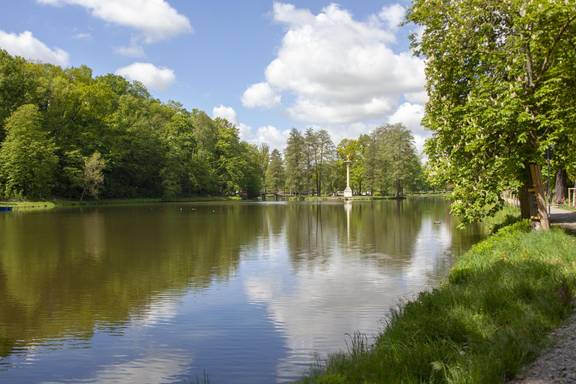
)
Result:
{"points": [[5, 209]]}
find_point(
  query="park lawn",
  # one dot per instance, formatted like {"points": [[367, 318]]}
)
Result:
{"points": [[488, 319]]}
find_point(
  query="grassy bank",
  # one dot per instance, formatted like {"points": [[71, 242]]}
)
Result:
{"points": [[28, 205], [39, 205], [487, 320]]}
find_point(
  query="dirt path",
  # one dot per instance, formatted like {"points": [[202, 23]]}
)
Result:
{"points": [[564, 218], [557, 365]]}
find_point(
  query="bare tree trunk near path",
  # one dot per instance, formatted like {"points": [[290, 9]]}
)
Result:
{"points": [[540, 197], [561, 186], [524, 198]]}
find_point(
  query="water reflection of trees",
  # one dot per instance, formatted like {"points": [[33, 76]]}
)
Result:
{"points": [[385, 228], [64, 273], [384, 231]]}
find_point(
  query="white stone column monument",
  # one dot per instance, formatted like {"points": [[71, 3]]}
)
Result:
{"points": [[348, 190]]}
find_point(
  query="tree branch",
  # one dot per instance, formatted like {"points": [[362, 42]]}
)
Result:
{"points": [[548, 58], [529, 65]]}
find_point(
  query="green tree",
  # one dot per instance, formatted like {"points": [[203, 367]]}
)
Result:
{"points": [[319, 154], [296, 162], [178, 171], [93, 176], [206, 135], [151, 148], [264, 161], [400, 166], [134, 148], [27, 156], [252, 181], [275, 177], [325, 156], [501, 83], [229, 160], [16, 86]]}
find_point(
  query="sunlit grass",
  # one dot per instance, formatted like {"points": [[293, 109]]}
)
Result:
{"points": [[28, 205], [50, 204], [487, 320], [506, 216]]}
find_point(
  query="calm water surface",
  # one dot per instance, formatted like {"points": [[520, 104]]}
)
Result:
{"points": [[247, 293]]}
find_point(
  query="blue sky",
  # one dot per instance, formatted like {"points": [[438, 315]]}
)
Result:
{"points": [[268, 66]]}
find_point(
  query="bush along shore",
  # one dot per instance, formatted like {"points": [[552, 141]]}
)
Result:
{"points": [[485, 321]]}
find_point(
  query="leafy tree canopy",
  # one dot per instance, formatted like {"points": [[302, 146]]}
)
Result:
{"points": [[501, 83]]}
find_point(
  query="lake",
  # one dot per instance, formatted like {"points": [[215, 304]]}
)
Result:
{"points": [[239, 292]]}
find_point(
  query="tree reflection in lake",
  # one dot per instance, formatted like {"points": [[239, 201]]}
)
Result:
{"points": [[350, 266], [248, 292], [64, 273]]}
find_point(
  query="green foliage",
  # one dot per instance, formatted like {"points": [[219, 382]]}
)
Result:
{"points": [[383, 162], [27, 156], [15, 86], [296, 163], [154, 149], [93, 176], [151, 149], [508, 215], [386, 160], [320, 156], [482, 325], [396, 163], [500, 80], [275, 177]]}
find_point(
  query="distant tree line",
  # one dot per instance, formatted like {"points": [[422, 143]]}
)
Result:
{"points": [[385, 162], [65, 133]]}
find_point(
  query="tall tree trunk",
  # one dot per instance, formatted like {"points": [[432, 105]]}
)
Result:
{"points": [[319, 181], [561, 186], [524, 198], [398, 189], [544, 223]]}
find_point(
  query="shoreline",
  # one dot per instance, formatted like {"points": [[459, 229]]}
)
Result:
{"points": [[57, 203], [491, 316]]}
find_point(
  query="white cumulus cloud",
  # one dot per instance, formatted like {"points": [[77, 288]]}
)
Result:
{"points": [[260, 95], [225, 112], [274, 137], [155, 20], [410, 115], [393, 15], [340, 70], [151, 76], [29, 47]]}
